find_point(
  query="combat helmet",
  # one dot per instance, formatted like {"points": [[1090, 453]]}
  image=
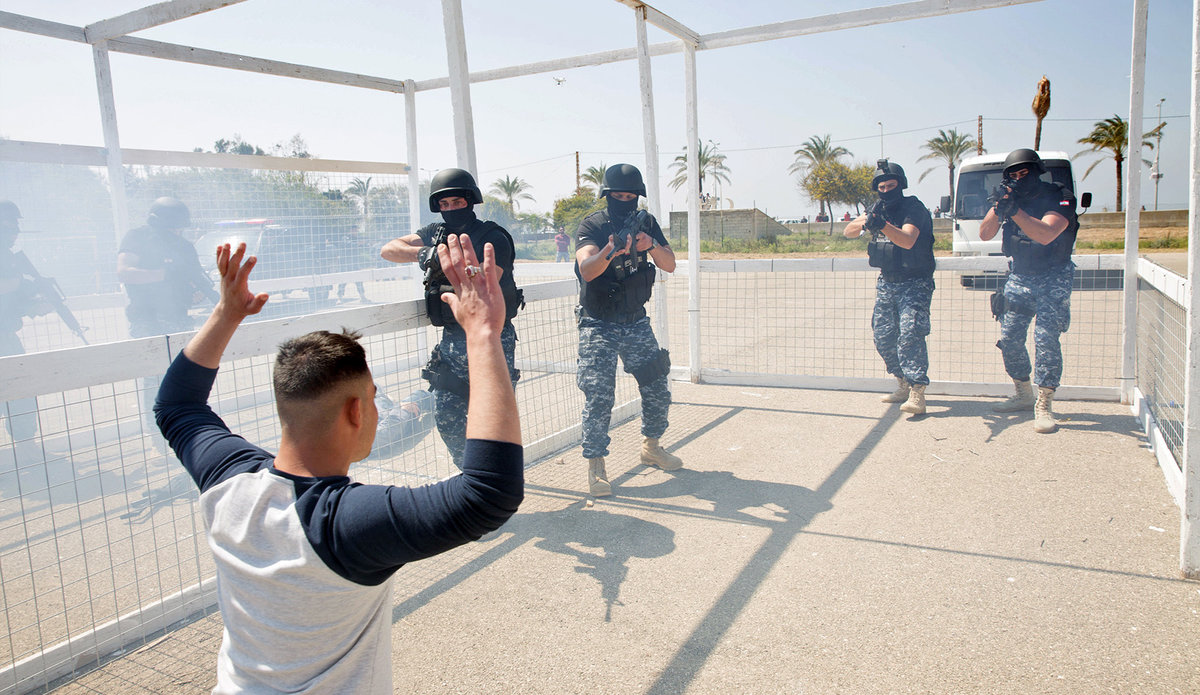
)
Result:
{"points": [[889, 170], [1024, 157], [623, 177], [448, 182], [169, 213]]}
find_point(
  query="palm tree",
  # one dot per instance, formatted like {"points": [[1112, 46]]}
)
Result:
{"points": [[817, 150], [711, 164], [594, 175], [511, 189], [1111, 134], [362, 190], [949, 147]]}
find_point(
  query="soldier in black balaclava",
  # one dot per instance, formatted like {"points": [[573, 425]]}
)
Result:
{"points": [[613, 252], [901, 246], [454, 194], [1039, 222]]}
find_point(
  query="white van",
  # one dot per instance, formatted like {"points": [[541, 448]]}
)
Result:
{"points": [[977, 178]]}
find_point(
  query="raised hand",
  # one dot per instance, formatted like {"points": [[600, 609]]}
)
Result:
{"points": [[236, 296], [477, 302]]}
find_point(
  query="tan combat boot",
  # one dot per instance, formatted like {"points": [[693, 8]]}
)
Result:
{"points": [[900, 394], [1023, 399], [916, 400], [654, 455], [1043, 417], [598, 484]]}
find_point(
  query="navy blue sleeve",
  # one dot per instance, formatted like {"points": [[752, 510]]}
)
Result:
{"points": [[209, 451], [366, 532]]}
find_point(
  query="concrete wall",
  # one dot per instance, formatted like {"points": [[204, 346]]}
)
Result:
{"points": [[1150, 218], [717, 225]]}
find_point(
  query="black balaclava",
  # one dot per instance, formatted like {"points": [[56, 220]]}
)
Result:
{"points": [[620, 209], [1027, 184], [460, 218], [893, 197]]}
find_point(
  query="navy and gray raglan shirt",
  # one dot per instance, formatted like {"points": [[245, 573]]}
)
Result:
{"points": [[304, 564]]}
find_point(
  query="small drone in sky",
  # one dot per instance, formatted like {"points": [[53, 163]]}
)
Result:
{"points": [[559, 80]]}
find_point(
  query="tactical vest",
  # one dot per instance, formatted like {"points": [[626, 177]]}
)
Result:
{"points": [[618, 296], [1030, 257], [514, 299], [894, 262]]}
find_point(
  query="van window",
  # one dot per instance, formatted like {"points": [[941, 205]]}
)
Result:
{"points": [[974, 187]]}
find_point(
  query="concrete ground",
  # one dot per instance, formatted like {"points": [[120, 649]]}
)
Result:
{"points": [[815, 542]]}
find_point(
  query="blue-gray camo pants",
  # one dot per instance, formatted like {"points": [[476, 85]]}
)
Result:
{"points": [[600, 343], [900, 323], [1048, 297], [451, 408]]}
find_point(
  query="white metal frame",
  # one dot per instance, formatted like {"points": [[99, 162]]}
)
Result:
{"points": [[111, 35]]}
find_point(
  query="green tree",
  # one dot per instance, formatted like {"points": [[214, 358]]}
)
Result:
{"points": [[1111, 135], [950, 148], [711, 162], [511, 189], [498, 211], [235, 145], [817, 150], [569, 212], [858, 191], [827, 182]]}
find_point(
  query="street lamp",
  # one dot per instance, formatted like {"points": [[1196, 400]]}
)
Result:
{"points": [[880, 124], [1155, 173]]}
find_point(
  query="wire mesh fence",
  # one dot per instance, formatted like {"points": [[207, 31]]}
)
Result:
{"points": [[1162, 360], [102, 544], [807, 322], [312, 230]]}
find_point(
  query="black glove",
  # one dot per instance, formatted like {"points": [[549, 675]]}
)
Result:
{"points": [[427, 257], [1006, 206], [875, 221]]}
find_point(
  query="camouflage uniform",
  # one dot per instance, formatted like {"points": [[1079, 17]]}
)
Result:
{"points": [[451, 407], [1047, 296], [450, 356], [612, 324], [903, 292], [600, 343], [900, 323], [1039, 285]]}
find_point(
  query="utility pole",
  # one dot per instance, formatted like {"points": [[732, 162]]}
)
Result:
{"points": [[1155, 173], [576, 170], [979, 136]]}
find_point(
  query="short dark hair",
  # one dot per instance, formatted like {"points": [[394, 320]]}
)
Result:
{"points": [[311, 365]]}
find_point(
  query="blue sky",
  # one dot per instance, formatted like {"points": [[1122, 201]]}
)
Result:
{"points": [[759, 101]]}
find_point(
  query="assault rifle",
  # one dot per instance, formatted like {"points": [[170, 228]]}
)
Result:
{"points": [[1004, 198], [635, 224], [47, 290]]}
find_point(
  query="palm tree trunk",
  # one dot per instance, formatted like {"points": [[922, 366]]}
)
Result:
{"points": [[1120, 194], [951, 187], [1037, 135]]}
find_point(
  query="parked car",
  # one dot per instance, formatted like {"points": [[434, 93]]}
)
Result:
{"points": [[281, 252]]}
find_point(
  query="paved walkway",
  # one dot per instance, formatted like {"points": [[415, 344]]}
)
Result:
{"points": [[817, 542]]}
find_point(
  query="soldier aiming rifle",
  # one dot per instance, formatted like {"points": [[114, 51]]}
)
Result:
{"points": [[23, 290]]}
